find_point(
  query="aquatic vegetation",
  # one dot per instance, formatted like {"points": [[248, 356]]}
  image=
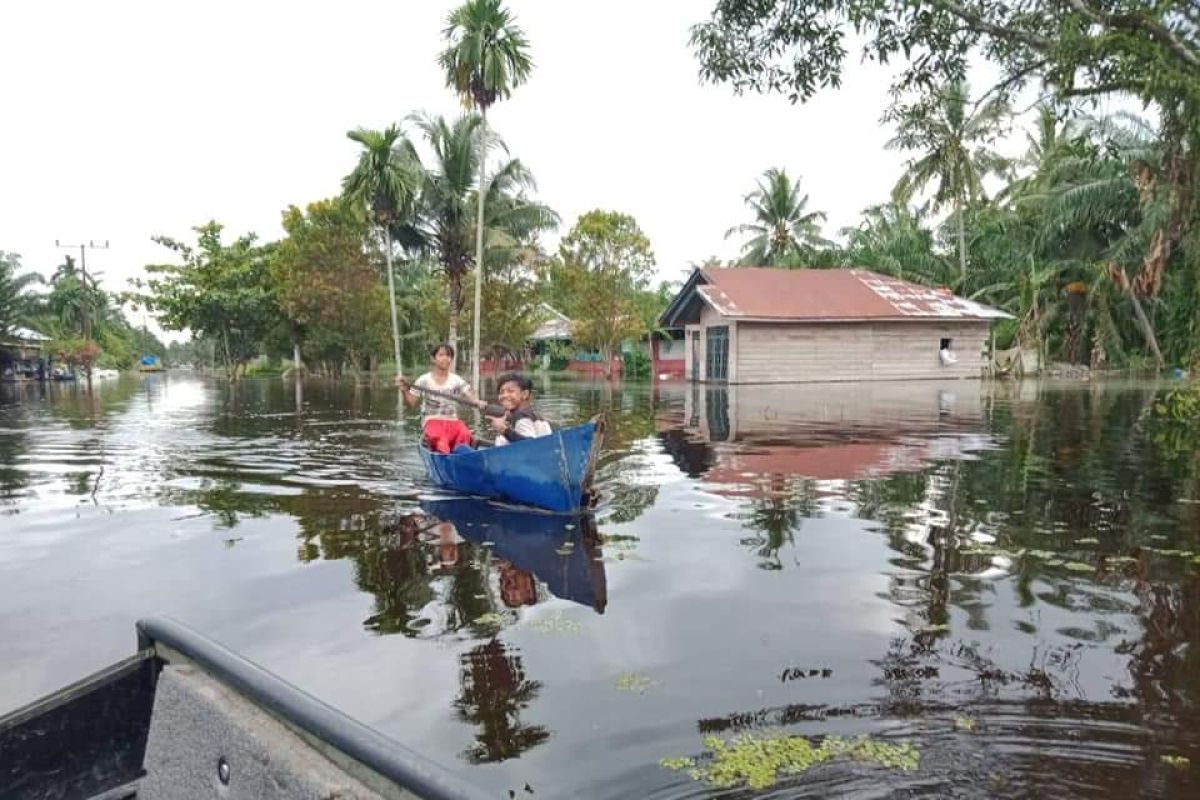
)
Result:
{"points": [[632, 682], [555, 623], [489, 620], [759, 760], [1087, 540], [1078, 566], [964, 724], [1178, 762]]}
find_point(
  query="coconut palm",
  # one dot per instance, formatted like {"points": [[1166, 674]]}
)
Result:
{"points": [[384, 184], [445, 217], [782, 225], [952, 142], [15, 302], [486, 57]]}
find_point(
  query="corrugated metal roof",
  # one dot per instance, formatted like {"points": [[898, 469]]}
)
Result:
{"points": [[831, 294]]}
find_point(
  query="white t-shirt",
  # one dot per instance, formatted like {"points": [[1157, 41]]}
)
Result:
{"points": [[439, 407], [528, 429]]}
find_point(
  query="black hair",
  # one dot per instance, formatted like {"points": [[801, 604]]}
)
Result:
{"points": [[520, 379], [433, 351]]}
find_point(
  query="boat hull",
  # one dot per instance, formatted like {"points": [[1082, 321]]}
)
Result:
{"points": [[550, 472]]}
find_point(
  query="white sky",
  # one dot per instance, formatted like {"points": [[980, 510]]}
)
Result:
{"points": [[122, 120]]}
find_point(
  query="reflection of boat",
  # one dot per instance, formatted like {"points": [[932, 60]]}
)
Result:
{"points": [[552, 472], [150, 363], [184, 717], [563, 552]]}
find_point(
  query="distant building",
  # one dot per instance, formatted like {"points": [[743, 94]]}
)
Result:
{"points": [[23, 356], [760, 325]]}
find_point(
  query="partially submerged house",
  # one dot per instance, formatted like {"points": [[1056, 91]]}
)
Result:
{"points": [[23, 355], [761, 325]]}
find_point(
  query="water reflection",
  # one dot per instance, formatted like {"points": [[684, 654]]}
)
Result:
{"points": [[827, 559]]}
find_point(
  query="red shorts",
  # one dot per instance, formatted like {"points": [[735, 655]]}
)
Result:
{"points": [[443, 435]]}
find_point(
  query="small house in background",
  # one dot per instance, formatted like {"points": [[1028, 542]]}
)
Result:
{"points": [[23, 355], [557, 329], [760, 325]]}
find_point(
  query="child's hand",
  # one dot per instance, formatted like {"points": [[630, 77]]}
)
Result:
{"points": [[499, 424]]}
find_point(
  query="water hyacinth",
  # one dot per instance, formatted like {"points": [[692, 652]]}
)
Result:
{"points": [[759, 760]]}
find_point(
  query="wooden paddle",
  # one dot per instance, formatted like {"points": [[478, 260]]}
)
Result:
{"points": [[490, 410]]}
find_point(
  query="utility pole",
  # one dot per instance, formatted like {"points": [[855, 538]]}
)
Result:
{"points": [[83, 248]]}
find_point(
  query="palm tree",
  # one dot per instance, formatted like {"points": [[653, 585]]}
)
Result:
{"points": [[782, 225], [486, 57], [952, 142], [15, 302], [384, 184], [445, 218]]}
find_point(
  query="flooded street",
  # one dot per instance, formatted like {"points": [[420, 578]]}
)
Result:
{"points": [[1005, 576]]}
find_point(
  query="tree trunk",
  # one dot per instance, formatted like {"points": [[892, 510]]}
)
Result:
{"points": [[452, 337], [479, 250], [297, 364], [387, 238], [1146, 328], [962, 245]]}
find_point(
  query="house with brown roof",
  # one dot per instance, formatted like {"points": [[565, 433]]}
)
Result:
{"points": [[761, 325]]}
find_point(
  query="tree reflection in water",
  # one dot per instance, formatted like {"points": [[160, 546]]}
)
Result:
{"points": [[494, 693]]}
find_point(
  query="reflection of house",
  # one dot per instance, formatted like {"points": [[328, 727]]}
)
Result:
{"points": [[23, 356], [743, 436], [757, 325]]}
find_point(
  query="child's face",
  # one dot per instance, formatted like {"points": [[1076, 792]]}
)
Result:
{"points": [[512, 396], [443, 358]]}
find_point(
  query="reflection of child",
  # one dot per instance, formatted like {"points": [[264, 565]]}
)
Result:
{"points": [[448, 542], [517, 587]]}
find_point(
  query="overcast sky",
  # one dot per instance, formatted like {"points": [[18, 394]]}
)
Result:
{"points": [[124, 120]]}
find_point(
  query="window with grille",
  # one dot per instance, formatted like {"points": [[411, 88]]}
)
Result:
{"points": [[717, 353]]}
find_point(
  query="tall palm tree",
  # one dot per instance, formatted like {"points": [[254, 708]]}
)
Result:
{"points": [[952, 141], [782, 225], [445, 218], [15, 302], [486, 57], [384, 183]]}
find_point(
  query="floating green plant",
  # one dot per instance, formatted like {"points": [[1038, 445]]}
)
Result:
{"points": [[490, 620], [632, 682], [556, 623], [1178, 762], [1079, 566], [759, 760], [964, 724]]}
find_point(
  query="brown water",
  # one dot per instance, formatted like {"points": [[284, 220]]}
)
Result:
{"points": [[1004, 576]]}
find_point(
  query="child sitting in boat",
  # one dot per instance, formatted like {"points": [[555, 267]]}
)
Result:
{"points": [[444, 431], [521, 420]]}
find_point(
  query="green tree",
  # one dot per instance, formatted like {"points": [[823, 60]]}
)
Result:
{"points": [[783, 226], [607, 260], [892, 239], [445, 220], [952, 145], [220, 290], [384, 184], [1084, 50], [327, 286], [486, 57], [16, 304]]}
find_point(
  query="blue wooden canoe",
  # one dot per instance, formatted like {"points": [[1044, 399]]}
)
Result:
{"points": [[550, 472]]}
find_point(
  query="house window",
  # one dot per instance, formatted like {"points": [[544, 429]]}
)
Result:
{"points": [[946, 344]]}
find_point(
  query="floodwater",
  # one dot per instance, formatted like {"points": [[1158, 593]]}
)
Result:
{"points": [[1003, 576]]}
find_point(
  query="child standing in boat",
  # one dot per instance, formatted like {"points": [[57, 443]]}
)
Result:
{"points": [[442, 428], [521, 420]]}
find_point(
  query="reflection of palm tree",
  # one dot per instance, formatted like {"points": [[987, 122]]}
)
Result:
{"points": [[775, 516], [494, 692]]}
